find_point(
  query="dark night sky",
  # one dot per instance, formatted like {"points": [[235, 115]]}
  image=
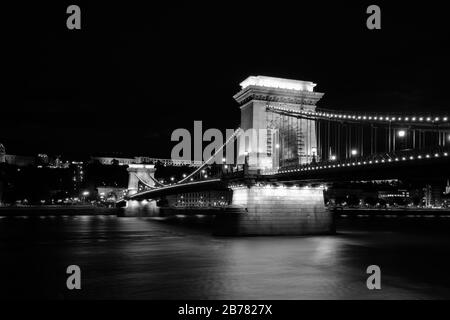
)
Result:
{"points": [[135, 73]]}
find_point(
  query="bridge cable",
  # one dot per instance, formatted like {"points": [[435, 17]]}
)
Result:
{"points": [[235, 133]]}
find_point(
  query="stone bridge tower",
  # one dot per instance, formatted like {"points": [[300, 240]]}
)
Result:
{"points": [[140, 173], [276, 208], [289, 141]]}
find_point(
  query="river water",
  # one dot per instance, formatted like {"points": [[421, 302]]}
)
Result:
{"points": [[140, 258]]}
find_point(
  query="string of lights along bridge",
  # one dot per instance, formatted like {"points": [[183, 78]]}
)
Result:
{"points": [[345, 139], [386, 160], [335, 115]]}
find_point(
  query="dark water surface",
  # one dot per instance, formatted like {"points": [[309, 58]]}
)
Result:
{"points": [[140, 258]]}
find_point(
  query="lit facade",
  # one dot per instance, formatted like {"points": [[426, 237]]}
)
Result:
{"points": [[111, 160], [20, 161], [289, 140], [2, 153], [203, 199]]}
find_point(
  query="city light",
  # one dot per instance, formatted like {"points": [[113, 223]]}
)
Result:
{"points": [[172, 178], [85, 193], [401, 133], [354, 152], [333, 158]]}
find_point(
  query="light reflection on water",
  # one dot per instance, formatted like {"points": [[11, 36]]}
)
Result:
{"points": [[140, 258]]}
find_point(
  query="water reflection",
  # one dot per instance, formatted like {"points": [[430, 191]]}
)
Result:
{"points": [[140, 258]]}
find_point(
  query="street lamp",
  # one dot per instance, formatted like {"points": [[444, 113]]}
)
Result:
{"points": [[401, 134], [354, 152], [314, 152], [85, 195], [245, 166], [333, 158]]}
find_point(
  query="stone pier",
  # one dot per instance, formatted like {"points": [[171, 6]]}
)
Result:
{"points": [[279, 210]]}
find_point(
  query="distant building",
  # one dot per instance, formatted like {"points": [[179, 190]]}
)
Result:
{"points": [[2, 160], [43, 159], [395, 197], [398, 194], [111, 194], [20, 161], [2, 153], [146, 160], [112, 160], [433, 195], [78, 172], [58, 163]]}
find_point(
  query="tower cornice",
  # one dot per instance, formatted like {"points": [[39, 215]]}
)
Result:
{"points": [[253, 92]]}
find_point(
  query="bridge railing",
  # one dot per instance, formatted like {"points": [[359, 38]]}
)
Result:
{"points": [[380, 118], [397, 156]]}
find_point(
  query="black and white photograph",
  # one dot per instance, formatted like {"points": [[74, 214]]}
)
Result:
{"points": [[225, 156]]}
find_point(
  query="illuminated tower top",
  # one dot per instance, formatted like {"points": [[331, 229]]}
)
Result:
{"points": [[280, 83], [281, 90]]}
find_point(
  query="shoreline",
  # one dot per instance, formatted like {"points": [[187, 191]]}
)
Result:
{"points": [[37, 210]]}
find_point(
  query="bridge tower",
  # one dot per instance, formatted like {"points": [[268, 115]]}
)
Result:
{"points": [[140, 173], [289, 141], [277, 208]]}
